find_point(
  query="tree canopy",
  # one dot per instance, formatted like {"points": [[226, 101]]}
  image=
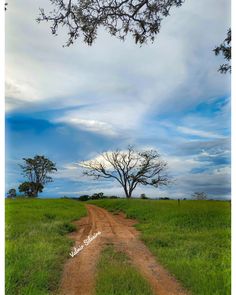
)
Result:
{"points": [[82, 18], [129, 168], [37, 171], [225, 49]]}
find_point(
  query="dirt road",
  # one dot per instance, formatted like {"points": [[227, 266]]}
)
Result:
{"points": [[79, 272]]}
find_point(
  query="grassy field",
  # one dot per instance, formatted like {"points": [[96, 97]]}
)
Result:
{"points": [[36, 243], [191, 240], [116, 276]]}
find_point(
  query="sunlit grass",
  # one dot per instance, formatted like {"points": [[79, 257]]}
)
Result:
{"points": [[192, 240], [36, 243]]}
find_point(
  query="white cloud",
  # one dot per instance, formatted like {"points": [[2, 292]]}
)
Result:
{"points": [[89, 125], [67, 173], [182, 165], [113, 118], [225, 171], [200, 133]]}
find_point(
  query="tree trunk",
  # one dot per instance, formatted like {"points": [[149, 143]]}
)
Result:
{"points": [[35, 193], [128, 193]]}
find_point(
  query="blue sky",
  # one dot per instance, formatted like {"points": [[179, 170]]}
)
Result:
{"points": [[72, 103]]}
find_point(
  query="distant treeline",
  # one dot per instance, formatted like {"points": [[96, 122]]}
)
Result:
{"points": [[96, 196], [99, 196]]}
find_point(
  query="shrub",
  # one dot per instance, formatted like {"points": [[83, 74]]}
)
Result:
{"points": [[84, 198], [97, 196], [11, 193], [143, 196]]}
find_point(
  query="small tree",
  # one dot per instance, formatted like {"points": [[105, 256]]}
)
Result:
{"points": [[11, 193], [129, 168], [199, 196], [37, 171]]}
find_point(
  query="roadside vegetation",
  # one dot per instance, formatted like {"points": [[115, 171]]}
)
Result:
{"points": [[36, 243], [117, 276], [191, 239]]}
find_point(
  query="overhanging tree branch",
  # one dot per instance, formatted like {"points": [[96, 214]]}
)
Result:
{"points": [[82, 18], [225, 49]]}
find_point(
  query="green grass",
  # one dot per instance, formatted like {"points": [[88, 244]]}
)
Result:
{"points": [[116, 275], [36, 243], [191, 240]]}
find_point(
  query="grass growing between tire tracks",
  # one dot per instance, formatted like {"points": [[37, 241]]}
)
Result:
{"points": [[116, 275]]}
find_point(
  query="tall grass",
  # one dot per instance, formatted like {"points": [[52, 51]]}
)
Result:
{"points": [[116, 275], [191, 240], [36, 243]]}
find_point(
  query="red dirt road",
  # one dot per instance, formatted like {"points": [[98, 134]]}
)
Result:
{"points": [[79, 271]]}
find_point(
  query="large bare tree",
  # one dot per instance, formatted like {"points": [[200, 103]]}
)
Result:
{"points": [[129, 168], [139, 18]]}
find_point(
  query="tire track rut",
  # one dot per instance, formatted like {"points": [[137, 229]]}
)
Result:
{"points": [[79, 272]]}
